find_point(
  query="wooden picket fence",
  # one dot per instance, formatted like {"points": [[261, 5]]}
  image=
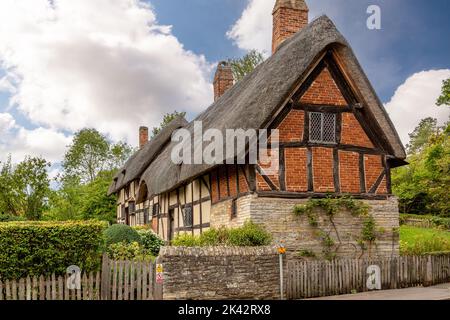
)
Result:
{"points": [[309, 279], [118, 280]]}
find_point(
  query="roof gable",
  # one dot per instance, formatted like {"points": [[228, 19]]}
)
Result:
{"points": [[264, 92]]}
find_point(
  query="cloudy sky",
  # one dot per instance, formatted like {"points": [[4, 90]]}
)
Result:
{"points": [[117, 64]]}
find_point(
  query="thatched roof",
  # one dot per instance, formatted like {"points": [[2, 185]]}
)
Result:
{"points": [[140, 160], [254, 100]]}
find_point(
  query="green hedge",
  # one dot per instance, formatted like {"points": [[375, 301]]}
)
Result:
{"points": [[249, 235], [437, 221], [42, 248]]}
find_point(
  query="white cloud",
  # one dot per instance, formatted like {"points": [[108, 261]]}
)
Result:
{"points": [[20, 142], [106, 64], [416, 99], [253, 30]]}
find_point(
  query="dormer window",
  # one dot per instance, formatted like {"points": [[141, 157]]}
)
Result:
{"points": [[322, 127]]}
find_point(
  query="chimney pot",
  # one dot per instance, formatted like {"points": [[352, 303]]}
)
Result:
{"points": [[289, 17], [223, 79], [143, 136]]}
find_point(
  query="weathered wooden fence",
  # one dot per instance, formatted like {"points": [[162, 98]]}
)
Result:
{"points": [[309, 279], [419, 223], [118, 280]]}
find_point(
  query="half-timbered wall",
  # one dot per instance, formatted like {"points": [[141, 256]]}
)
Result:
{"points": [[346, 160]]}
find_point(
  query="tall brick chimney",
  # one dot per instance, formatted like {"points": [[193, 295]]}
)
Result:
{"points": [[223, 79], [143, 136], [289, 16]]}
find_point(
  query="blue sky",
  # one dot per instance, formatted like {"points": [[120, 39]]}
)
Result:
{"points": [[414, 35], [115, 65]]}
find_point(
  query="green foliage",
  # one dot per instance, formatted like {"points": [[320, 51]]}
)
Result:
{"points": [[150, 241], [439, 222], [168, 118], [368, 232], [75, 201], [331, 206], [444, 99], [10, 218], [422, 186], [245, 65], [35, 248], [121, 233], [249, 235], [186, 240], [129, 251], [91, 153], [24, 188], [422, 241], [305, 253]]}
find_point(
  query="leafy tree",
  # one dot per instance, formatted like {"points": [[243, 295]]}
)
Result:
{"points": [[245, 65], [444, 99], [95, 203], [422, 186], [166, 120], [24, 189], [421, 135], [91, 153], [8, 200]]}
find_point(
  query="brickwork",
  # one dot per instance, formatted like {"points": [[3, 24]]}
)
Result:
{"points": [[287, 22], [223, 79], [324, 91], [296, 170], [323, 169], [349, 175], [373, 167], [353, 133], [292, 127]]}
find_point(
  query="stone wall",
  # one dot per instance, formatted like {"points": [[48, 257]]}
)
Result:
{"points": [[220, 273], [297, 234]]}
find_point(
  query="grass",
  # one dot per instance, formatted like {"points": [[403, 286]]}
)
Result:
{"points": [[419, 241]]}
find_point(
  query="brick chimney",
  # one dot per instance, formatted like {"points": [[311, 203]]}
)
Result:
{"points": [[143, 136], [223, 79], [289, 17]]}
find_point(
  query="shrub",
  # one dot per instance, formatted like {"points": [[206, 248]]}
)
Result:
{"points": [[186, 240], [121, 233], [150, 241], [9, 218], [249, 235], [129, 251], [43, 248], [421, 241]]}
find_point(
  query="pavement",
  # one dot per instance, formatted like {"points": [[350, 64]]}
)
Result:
{"points": [[439, 292]]}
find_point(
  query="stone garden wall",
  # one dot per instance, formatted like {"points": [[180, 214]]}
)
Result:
{"points": [[220, 273]]}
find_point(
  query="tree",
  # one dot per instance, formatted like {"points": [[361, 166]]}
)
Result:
{"points": [[91, 153], [422, 134], [245, 65], [422, 186], [444, 99], [24, 189], [168, 118]]}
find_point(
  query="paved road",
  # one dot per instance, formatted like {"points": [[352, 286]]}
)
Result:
{"points": [[439, 292]]}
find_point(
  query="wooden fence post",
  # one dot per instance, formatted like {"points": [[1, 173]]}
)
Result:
{"points": [[429, 273], [106, 278]]}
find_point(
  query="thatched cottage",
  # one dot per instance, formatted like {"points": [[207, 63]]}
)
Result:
{"points": [[335, 138]]}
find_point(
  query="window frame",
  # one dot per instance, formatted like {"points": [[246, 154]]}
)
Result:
{"points": [[322, 121], [185, 215]]}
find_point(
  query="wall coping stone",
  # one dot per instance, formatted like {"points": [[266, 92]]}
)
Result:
{"points": [[218, 251]]}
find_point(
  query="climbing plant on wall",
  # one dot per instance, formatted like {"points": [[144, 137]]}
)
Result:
{"points": [[330, 207]]}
